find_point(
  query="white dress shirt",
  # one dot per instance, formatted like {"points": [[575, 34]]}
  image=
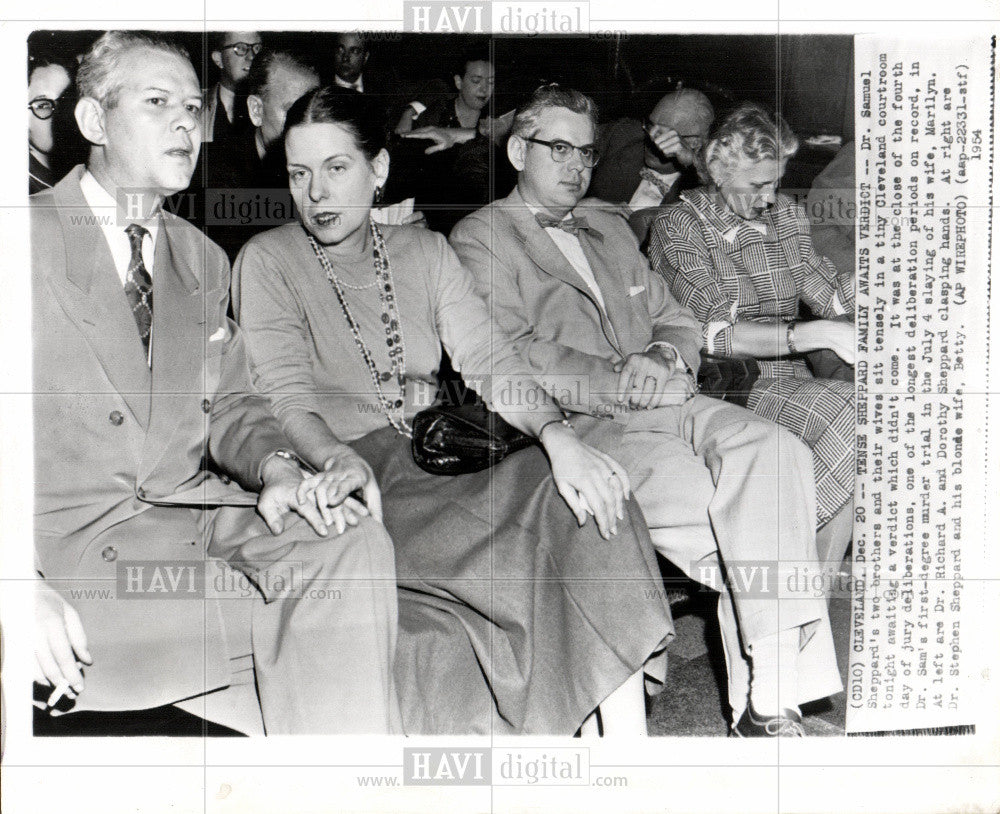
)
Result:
{"points": [[358, 84], [569, 245], [105, 211]]}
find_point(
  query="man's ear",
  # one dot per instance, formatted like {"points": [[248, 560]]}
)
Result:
{"points": [[90, 119], [217, 59], [458, 82], [515, 152], [255, 107]]}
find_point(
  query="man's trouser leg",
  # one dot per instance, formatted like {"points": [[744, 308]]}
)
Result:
{"points": [[324, 632], [714, 481]]}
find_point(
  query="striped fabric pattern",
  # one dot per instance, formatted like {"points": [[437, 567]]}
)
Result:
{"points": [[725, 270]]}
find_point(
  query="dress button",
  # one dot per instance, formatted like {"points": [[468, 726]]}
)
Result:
{"points": [[206, 406], [110, 554], [225, 479], [116, 418], [140, 492]]}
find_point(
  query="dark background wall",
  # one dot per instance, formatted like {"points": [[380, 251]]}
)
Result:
{"points": [[809, 78]]}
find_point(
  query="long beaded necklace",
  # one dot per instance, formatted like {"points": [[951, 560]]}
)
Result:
{"points": [[390, 319]]}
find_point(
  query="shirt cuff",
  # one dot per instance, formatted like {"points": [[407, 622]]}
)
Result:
{"points": [[716, 331], [661, 345], [288, 455]]}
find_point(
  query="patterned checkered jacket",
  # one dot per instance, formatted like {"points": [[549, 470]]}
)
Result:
{"points": [[727, 269]]}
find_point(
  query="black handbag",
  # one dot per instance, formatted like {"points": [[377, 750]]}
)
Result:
{"points": [[456, 440], [726, 378]]}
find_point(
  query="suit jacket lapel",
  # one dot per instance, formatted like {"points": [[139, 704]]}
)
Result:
{"points": [[93, 297], [612, 286], [546, 255], [178, 343]]}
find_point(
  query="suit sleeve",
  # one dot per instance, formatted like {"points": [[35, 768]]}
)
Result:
{"points": [[548, 361], [673, 323], [242, 429]]}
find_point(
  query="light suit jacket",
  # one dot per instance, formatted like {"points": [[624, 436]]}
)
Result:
{"points": [[556, 322], [119, 449]]}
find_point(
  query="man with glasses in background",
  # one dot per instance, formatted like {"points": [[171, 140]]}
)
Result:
{"points": [[646, 165], [48, 80], [599, 328], [225, 111]]}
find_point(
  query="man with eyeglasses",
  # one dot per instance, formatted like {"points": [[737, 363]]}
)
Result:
{"points": [[47, 81], [721, 489], [225, 112], [646, 165]]}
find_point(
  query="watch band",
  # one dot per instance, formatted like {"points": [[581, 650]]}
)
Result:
{"points": [[790, 338]]}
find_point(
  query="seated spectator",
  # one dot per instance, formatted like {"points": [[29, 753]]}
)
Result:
{"points": [[740, 256], [505, 621], [246, 190], [225, 113], [456, 173], [473, 79], [580, 298], [646, 165], [47, 81], [139, 380], [351, 70]]}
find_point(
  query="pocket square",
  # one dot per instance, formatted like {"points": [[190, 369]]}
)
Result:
{"points": [[219, 334], [636, 289]]}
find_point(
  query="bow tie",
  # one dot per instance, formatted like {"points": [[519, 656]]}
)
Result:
{"points": [[572, 225]]}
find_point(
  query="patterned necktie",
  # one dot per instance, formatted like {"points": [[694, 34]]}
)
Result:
{"points": [[572, 225], [139, 285]]}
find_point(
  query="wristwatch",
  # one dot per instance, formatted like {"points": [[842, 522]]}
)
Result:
{"points": [[290, 456]]}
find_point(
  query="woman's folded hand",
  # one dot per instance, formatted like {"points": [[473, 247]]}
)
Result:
{"points": [[589, 481], [343, 473]]}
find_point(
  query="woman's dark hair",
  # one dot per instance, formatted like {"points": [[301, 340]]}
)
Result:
{"points": [[347, 108], [479, 52]]}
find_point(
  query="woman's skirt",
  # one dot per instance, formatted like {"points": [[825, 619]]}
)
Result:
{"points": [[821, 413], [512, 618]]}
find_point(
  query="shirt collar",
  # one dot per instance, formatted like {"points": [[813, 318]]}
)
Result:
{"points": [[358, 84], [102, 204], [708, 206]]}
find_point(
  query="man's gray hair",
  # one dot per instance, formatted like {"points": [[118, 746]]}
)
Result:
{"points": [[97, 76], [526, 118], [749, 132]]}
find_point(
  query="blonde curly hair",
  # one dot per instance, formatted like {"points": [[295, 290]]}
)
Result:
{"points": [[749, 133]]}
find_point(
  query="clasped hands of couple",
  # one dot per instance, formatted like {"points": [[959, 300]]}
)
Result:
{"points": [[345, 490], [591, 482]]}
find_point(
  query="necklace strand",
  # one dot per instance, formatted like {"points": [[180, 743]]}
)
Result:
{"points": [[390, 319]]}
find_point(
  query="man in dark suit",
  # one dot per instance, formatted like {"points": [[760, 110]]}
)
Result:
{"points": [[245, 182], [152, 447], [225, 113], [646, 165], [594, 321]]}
